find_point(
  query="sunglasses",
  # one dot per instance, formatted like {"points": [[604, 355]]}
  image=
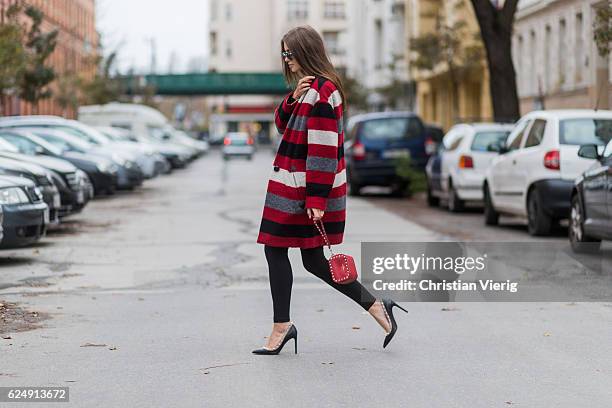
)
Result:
{"points": [[287, 54]]}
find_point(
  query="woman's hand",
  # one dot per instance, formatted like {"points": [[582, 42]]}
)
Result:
{"points": [[302, 86], [315, 213]]}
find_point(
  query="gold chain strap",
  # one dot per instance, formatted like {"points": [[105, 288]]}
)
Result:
{"points": [[323, 234]]}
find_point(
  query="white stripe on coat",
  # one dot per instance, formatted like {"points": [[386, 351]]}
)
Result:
{"points": [[323, 137], [298, 178]]}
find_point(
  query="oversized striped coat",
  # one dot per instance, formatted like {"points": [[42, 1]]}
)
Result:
{"points": [[308, 170]]}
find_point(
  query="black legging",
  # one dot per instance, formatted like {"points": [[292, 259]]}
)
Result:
{"points": [[281, 279]]}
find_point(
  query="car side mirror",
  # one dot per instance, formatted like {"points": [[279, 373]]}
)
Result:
{"points": [[589, 151], [497, 147]]}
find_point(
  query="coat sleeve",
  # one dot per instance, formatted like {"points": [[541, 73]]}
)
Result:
{"points": [[322, 154], [283, 112]]}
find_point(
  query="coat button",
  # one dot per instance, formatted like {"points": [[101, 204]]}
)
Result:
{"points": [[276, 168]]}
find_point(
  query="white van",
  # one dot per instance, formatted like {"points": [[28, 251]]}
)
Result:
{"points": [[145, 123], [141, 120]]}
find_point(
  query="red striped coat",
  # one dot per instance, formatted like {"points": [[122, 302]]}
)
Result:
{"points": [[308, 170]]}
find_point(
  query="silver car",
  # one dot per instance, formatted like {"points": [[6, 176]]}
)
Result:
{"points": [[238, 144]]}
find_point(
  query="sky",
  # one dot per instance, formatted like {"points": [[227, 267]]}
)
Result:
{"points": [[179, 29]]}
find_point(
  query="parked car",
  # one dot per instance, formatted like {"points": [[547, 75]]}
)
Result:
{"points": [[41, 177], [125, 156], [25, 213], [238, 144], [145, 123], [128, 172], [591, 213], [374, 141], [456, 173], [534, 174], [101, 172], [160, 163], [69, 182]]}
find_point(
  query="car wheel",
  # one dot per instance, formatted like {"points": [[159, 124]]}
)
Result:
{"points": [[455, 204], [398, 189], [538, 221], [432, 200], [578, 240], [491, 215]]}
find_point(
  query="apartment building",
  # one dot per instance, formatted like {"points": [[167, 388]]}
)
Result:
{"points": [[555, 57], [77, 43]]}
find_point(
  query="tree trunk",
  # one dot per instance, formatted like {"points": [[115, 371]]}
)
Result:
{"points": [[496, 31]]}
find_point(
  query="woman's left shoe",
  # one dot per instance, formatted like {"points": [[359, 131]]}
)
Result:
{"points": [[290, 334], [388, 308]]}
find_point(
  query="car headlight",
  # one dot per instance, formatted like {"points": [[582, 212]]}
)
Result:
{"points": [[103, 167], [120, 160], [38, 193], [13, 195]]}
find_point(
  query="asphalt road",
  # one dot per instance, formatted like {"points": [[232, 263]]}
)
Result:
{"points": [[156, 298]]}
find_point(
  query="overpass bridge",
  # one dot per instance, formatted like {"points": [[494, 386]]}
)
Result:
{"points": [[210, 83]]}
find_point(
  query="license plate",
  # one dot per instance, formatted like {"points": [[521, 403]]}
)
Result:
{"points": [[393, 154], [80, 197], [46, 216]]}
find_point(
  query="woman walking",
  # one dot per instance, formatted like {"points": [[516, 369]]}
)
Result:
{"points": [[308, 184]]}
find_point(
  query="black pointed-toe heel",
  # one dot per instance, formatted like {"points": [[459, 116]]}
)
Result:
{"points": [[388, 308], [291, 334]]}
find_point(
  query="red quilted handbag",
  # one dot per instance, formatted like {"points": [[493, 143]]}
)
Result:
{"points": [[341, 266]]}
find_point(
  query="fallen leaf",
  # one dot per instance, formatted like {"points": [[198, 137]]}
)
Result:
{"points": [[112, 348], [356, 327], [509, 402], [93, 345], [449, 309], [547, 334], [6, 337], [358, 348]]}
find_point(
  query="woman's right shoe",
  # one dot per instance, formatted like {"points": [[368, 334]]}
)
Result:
{"points": [[290, 334], [388, 308]]}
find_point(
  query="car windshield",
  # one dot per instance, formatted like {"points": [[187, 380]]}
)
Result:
{"points": [[7, 146], [585, 131], [482, 140], [64, 144], [387, 128]]}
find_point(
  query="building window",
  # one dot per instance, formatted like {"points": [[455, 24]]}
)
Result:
{"points": [[333, 9], [228, 49], [228, 11], [332, 42], [561, 51], [378, 42], [521, 63], [532, 61], [297, 9], [548, 76], [579, 48], [213, 43]]}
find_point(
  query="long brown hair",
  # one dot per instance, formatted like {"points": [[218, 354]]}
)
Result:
{"points": [[308, 49]]}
